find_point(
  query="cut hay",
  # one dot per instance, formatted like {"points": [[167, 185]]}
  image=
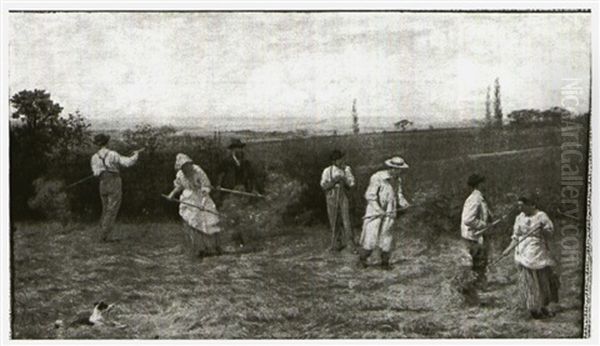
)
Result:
{"points": [[457, 291], [423, 326], [249, 218], [51, 200]]}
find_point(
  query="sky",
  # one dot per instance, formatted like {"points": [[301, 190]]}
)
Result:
{"points": [[288, 70]]}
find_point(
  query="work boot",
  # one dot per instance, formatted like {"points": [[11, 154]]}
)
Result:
{"points": [[481, 282], [536, 314], [546, 312], [363, 255], [385, 261]]}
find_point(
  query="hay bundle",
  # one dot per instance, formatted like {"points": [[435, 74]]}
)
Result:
{"points": [[51, 199], [249, 218], [457, 291], [433, 215]]}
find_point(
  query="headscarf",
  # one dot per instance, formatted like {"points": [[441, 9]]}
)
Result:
{"points": [[180, 160]]}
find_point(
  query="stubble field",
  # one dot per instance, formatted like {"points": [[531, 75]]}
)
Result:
{"points": [[289, 286]]}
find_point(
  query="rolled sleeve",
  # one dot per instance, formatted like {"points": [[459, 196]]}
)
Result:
{"points": [[402, 202], [96, 165], [325, 183], [204, 181], [350, 180], [547, 224], [126, 161]]}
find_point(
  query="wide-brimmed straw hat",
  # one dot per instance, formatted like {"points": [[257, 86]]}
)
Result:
{"points": [[475, 179], [101, 139], [182, 159], [236, 143], [396, 162]]}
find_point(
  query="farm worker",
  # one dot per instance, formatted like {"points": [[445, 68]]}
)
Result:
{"points": [[384, 200], [106, 165], [235, 171], [475, 216], [201, 225], [538, 282], [335, 181]]}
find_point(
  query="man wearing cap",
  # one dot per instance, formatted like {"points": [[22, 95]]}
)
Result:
{"points": [[335, 181], [106, 165], [384, 200], [235, 170], [475, 216]]}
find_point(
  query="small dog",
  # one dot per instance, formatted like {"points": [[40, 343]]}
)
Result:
{"points": [[97, 316]]}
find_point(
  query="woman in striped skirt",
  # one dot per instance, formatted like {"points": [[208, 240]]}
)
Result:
{"points": [[538, 282]]}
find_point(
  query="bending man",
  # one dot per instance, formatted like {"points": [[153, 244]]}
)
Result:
{"points": [[384, 200]]}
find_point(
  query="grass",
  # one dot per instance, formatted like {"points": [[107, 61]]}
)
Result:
{"points": [[290, 287]]}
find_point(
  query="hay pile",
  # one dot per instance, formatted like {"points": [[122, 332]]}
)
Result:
{"points": [[249, 218], [457, 291], [431, 217], [51, 199]]}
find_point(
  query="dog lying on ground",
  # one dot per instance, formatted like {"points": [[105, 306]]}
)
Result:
{"points": [[96, 318]]}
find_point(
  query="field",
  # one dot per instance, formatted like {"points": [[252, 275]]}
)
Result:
{"points": [[289, 287], [285, 284]]}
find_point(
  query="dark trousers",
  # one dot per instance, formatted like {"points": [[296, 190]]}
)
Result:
{"points": [[479, 257]]}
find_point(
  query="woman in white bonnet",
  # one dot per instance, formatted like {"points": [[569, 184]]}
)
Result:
{"points": [[201, 226]]}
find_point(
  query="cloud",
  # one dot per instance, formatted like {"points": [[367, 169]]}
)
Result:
{"points": [[430, 67]]}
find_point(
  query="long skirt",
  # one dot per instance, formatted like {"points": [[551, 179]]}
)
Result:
{"points": [[199, 243], [539, 287]]}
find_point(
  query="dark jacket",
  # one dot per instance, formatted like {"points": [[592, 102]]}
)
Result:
{"points": [[230, 175]]}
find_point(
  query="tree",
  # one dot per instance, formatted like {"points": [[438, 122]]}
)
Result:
{"points": [[41, 143], [555, 115], [42, 133], [529, 117], [497, 103], [488, 107], [402, 124], [523, 117], [35, 109], [355, 128], [147, 136]]}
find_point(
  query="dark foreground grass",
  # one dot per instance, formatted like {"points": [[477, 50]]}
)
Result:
{"points": [[289, 287]]}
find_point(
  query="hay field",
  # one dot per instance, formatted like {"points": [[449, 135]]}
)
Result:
{"points": [[288, 286], [285, 284]]}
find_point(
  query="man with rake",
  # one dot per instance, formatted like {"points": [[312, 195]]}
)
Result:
{"points": [[335, 181], [106, 165], [384, 200]]}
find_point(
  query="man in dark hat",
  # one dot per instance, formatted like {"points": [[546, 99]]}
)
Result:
{"points": [[475, 216], [106, 165], [335, 181], [236, 171]]}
